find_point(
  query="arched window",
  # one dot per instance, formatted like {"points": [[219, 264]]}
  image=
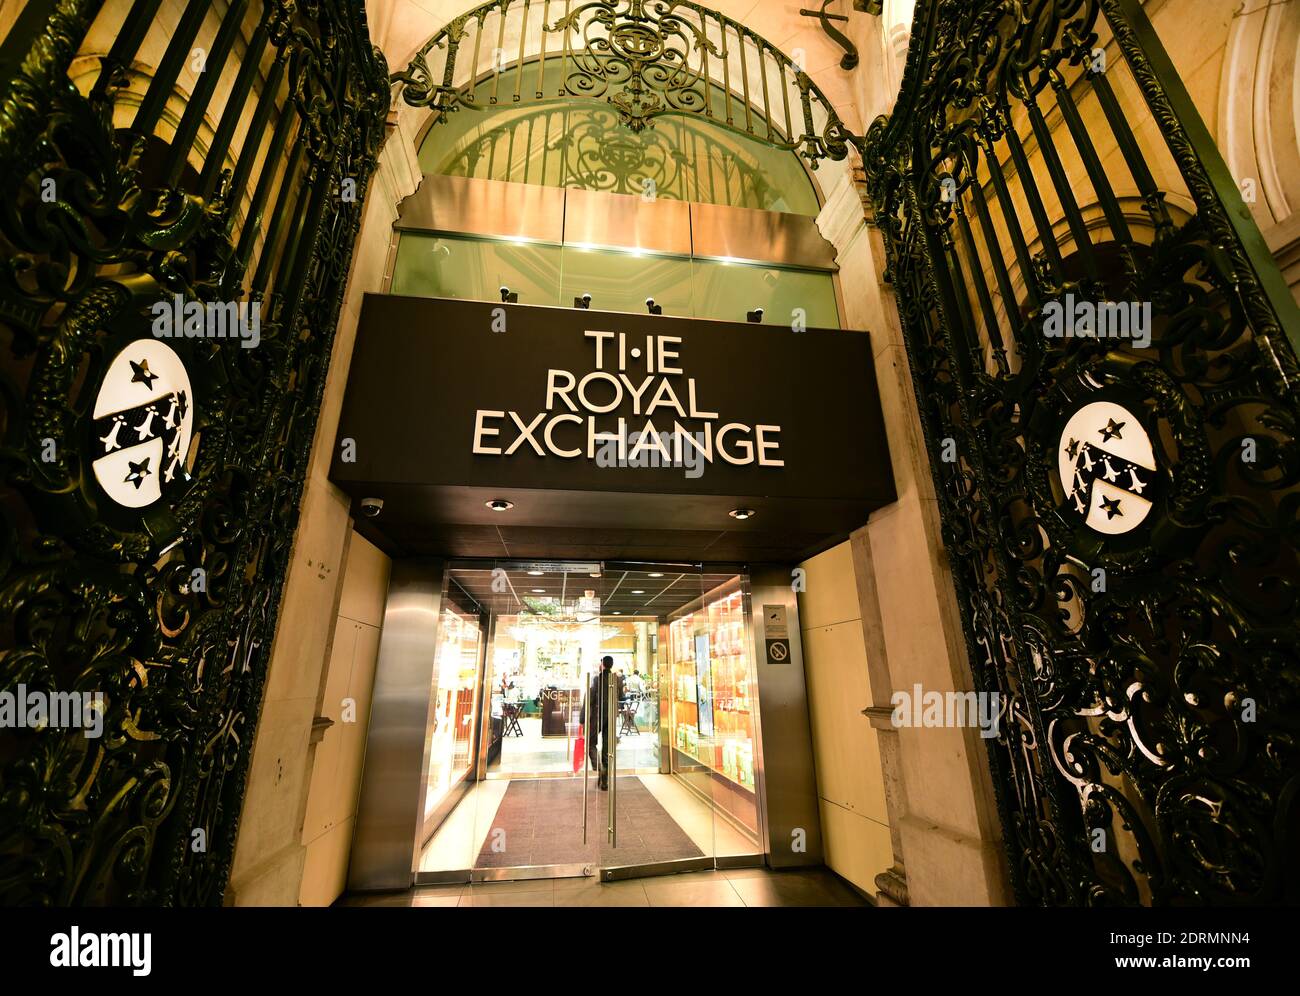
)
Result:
{"points": [[582, 145]]}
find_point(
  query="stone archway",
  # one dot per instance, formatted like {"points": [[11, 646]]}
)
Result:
{"points": [[907, 618], [1259, 126]]}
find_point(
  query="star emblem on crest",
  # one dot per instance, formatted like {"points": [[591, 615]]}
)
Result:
{"points": [[139, 471], [1111, 431], [1111, 507], [142, 374]]}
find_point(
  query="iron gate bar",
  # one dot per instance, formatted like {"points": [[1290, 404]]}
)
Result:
{"points": [[1272, 309], [95, 595], [1127, 767]]}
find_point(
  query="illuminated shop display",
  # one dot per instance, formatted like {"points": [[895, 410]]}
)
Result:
{"points": [[539, 663], [455, 684], [712, 710]]}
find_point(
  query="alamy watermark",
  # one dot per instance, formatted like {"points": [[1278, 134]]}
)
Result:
{"points": [[181, 319], [93, 949], [937, 710], [33, 709], [1073, 318], [644, 450]]}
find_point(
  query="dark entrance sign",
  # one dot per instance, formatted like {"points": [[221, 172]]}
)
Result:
{"points": [[611, 435]]}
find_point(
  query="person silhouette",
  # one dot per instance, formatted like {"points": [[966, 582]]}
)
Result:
{"points": [[600, 739]]}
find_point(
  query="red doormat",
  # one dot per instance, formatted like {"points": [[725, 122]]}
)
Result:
{"points": [[539, 822]]}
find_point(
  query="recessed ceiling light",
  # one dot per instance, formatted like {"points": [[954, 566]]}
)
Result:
{"points": [[637, 591], [618, 613], [742, 513], [594, 574], [539, 591], [500, 505], [656, 575], [536, 574]]}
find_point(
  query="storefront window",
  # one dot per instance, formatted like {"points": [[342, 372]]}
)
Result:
{"points": [[712, 706], [454, 685], [684, 720]]}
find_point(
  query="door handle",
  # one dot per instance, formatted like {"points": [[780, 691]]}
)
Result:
{"points": [[586, 755], [611, 740]]}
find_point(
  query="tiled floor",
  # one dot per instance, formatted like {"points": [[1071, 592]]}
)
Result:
{"points": [[533, 753], [735, 887]]}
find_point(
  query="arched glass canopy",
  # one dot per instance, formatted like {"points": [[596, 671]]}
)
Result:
{"points": [[645, 60], [660, 101], [572, 142]]}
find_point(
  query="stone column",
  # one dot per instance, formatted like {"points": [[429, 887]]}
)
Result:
{"points": [[269, 853], [941, 805]]}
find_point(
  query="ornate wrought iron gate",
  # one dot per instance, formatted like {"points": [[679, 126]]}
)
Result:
{"points": [[163, 184], [1120, 515]]}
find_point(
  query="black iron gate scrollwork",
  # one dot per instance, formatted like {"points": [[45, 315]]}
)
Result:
{"points": [[1104, 356], [208, 174], [643, 59]]}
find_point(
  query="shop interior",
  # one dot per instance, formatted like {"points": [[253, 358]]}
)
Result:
{"points": [[511, 784]]}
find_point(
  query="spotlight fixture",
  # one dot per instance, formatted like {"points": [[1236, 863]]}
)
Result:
{"points": [[654, 309], [499, 505], [742, 513], [755, 316], [508, 297], [583, 302]]}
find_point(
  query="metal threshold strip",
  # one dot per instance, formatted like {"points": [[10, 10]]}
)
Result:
{"points": [[620, 873], [615, 873], [529, 872]]}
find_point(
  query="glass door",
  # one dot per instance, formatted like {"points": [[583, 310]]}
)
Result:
{"points": [[617, 720], [657, 824], [537, 788]]}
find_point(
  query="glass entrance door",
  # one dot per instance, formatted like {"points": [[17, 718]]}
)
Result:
{"points": [[535, 793], [647, 770], [655, 823]]}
